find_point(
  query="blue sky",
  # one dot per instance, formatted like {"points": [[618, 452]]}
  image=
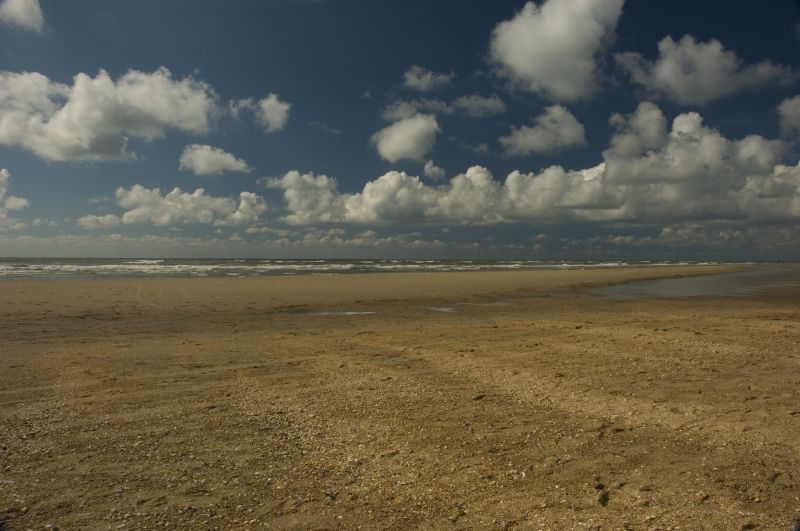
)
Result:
{"points": [[595, 129]]}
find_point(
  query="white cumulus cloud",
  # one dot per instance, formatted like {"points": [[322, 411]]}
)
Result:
{"points": [[552, 48], [149, 206], [26, 14], [207, 160], [9, 203], [424, 80], [471, 197], [248, 211], [433, 171], [695, 73], [92, 222], [555, 129], [653, 172], [309, 198], [270, 112], [13, 202], [93, 118], [273, 113], [689, 172], [644, 130], [789, 111], [408, 138]]}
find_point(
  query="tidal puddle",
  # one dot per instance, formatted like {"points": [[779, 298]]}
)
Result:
{"points": [[739, 284]]}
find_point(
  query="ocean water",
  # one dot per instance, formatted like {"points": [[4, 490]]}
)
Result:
{"points": [[91, 268]]}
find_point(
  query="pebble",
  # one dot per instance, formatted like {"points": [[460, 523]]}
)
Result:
{"points": [[602, 498]]}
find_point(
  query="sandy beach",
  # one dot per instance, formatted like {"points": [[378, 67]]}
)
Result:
{"points": [[431, 400]]}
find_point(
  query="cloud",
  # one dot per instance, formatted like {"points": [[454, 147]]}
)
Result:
{"points": [[766, 240], [338, 238], [476, 106], [128, 245], [25, 14], [5, 179], [433, 171], [92, 222], [208, 160], [249, 211], [273, 113], [402, 109], [394, 196], [789, 112], [695, 73], [471, 106], [311, 243], [408, 138], [149, 206], [555, 129], [269, 112], [471, 197], [16, 203], [145, 205], [552, 49], [310, 198], [644, 130], [9, 203], [424, 80], [651, 173], [92, 119], [691, 172]]}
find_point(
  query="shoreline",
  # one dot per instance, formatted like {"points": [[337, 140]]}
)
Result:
{"points": [[92, 269], [621, 274]]}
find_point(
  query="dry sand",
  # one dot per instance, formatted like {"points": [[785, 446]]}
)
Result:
{"points": [[252, 403]]}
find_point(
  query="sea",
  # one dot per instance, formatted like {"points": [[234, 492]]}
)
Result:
{"points": [[756, 278], [95, 268]]}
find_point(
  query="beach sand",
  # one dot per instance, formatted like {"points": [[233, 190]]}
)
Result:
{"points": [[465, 400]]}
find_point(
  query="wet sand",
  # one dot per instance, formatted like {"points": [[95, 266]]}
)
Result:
{"points": [[282, 402]]}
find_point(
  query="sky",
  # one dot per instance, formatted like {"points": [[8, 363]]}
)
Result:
{"points": [[556, 129]]}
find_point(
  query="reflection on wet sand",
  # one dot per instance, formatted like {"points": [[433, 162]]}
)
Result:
{"points": [[737, 284]]}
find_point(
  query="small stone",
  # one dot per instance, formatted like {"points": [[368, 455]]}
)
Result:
{"points": [[602, 498]]}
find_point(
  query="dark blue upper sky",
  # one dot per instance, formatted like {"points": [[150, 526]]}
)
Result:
{"points": [[721, 184]]}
